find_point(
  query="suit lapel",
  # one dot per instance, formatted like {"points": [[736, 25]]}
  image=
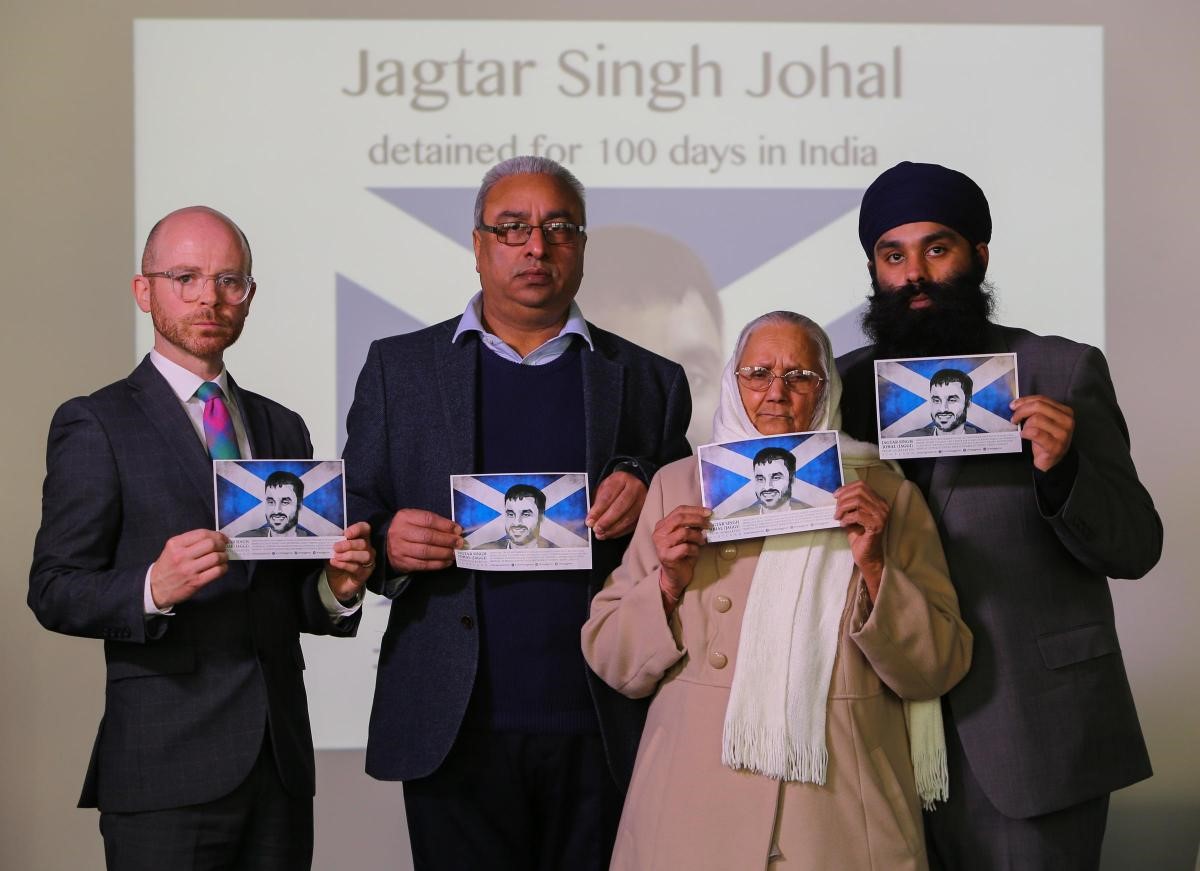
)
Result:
{"points": [[166, 415], [941, 484], [946, 469], [603, 384], [258, 427], [455, 371]]}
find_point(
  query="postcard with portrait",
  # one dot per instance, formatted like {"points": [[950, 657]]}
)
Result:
{"points": [[946, 406], [280, 509], [522, 523], [770, 485]]}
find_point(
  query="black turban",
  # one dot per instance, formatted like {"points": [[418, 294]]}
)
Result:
{"points": [[912, 192]]}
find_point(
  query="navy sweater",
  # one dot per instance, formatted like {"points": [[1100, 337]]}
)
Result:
{"points": [[532, 676]]}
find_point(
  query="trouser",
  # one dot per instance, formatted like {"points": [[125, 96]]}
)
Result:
{"points": [[509, 800]]}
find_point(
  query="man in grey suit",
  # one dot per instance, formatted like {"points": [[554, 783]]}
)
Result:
{"points": [[283, 497], [774, 474], [949, 400], [1043, 727], [513, 754], [524, 510], [204, 757]]}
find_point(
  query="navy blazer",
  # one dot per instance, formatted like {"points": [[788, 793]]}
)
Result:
{"points": [[187, 697], [411, 427], [1045, 714]]}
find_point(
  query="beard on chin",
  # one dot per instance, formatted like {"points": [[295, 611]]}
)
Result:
{"points": [[178, 332], [955, 322]]}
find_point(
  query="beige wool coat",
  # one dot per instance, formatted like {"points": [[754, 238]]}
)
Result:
{"points": [[685, 810]]}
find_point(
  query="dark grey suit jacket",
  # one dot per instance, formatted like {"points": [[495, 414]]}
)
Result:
{"points": [[412, 426], [1045, 715], [187, 697]]}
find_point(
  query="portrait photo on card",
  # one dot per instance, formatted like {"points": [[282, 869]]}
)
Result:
{"points": [[525, 522], [770, 485], [942, 406], [280, 509]]}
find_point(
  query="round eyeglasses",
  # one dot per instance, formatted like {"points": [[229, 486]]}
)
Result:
{"points": [[232, 288], [758, 378]]}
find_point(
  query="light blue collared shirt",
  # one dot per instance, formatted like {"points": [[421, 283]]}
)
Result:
{"points": [[472, 321]]}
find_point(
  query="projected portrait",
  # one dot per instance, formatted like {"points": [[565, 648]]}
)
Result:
{"points": [[652, 289]]}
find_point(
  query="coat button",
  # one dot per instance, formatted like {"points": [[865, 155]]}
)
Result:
{"points": [[717, 659], [466, 621], [722, 604], [728, 551]]}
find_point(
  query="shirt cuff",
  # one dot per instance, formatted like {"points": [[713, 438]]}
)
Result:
{"points": [[332, 606], [148, 606]]}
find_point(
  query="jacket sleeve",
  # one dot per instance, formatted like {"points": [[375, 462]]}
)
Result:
{"points": [[913, 634], [628, 640], [1108, 521], [74, 587], [369, 491], [677, 414]]}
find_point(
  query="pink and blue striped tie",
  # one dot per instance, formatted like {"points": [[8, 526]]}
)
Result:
{"points": [[218, 425]]}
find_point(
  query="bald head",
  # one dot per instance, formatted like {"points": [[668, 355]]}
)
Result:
{"points": [[191, 216]]}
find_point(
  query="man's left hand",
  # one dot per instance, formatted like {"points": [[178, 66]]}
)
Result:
{"points": [[1048, 425], [617, 505], [352, 563]]}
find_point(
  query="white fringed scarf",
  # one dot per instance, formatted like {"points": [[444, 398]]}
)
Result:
{"points": [[775, 720]]}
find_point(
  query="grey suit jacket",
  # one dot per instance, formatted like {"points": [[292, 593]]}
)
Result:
{"points": [[187, 697], [411, 426], [1045, 715]]}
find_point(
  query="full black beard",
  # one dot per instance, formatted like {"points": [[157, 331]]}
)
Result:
{"points": [[955, 323]]}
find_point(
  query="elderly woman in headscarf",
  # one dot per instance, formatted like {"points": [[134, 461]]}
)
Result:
{"points": [[796, 679]]}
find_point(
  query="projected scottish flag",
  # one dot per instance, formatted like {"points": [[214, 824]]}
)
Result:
{"points": [[478, 505], [240, 486], [727, 471], [903, 392]]}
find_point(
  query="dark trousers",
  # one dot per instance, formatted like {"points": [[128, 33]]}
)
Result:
{"points": [[257, 827], [505, 800], [969, 834]]}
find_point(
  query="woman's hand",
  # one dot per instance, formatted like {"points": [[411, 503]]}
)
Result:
{"points": [[864, 515], [677, 539]]}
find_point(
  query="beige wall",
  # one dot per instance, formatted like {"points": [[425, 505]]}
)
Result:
{"points": [[67, 245]]}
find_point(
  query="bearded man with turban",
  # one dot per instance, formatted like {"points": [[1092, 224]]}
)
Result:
{"points": [[1043, 727]]}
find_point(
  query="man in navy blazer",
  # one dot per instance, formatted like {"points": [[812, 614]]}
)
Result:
{"points": [[204, 757], [1043, 727], [513, 754]]}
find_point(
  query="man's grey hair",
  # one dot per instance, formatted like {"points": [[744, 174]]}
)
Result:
{"points": [[815, 333], [528, 164]]}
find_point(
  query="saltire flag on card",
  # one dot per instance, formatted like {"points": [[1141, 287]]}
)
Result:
{"points": [[902, 389], [727, 470], [240, 494], [479, 506]]}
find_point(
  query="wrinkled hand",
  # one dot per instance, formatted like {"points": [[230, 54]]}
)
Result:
{"points": [[864, 515], [678, 538], [352, 562], [617, 505], [189, 562], [1048, 425], [421, 541]]}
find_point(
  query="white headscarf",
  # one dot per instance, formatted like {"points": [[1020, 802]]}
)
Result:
{"points": [[775, 719]]}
